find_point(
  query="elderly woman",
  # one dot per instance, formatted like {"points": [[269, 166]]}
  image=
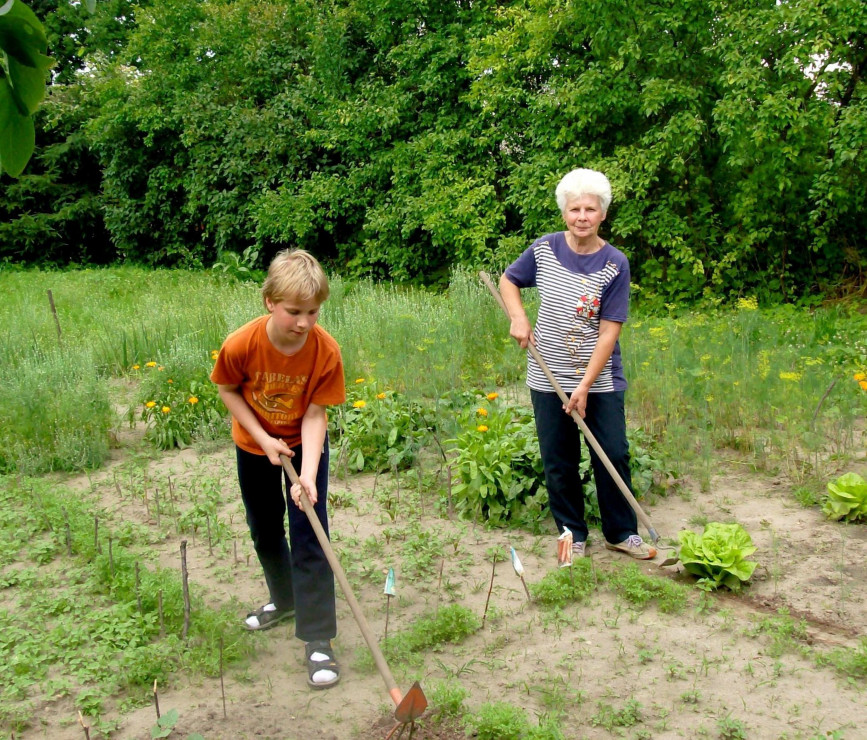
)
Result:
{"points": [[583, 285]]}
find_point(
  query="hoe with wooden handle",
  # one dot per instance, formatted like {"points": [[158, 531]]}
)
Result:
{"points": [[408, 706], [588, 435]]}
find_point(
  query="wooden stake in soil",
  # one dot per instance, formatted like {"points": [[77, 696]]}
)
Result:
{"points": [[186, 587], [490, 588], [96, 544], [222, 686], [138, 590], [235, 549], [110, 557], [84, 727], [210, 544], [56, 320], [68, 532], [157, 504], [156, 699]]}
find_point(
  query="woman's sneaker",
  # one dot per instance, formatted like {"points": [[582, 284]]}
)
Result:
{"points": [[578, 549], [635, 547]]}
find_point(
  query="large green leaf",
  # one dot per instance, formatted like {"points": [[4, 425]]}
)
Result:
{"points": [[23, 63]]}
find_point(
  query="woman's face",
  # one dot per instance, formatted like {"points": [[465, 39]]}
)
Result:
{"points": [[583, 215]]}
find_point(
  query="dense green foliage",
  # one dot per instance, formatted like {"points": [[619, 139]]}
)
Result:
{"points": [[398, 139]]}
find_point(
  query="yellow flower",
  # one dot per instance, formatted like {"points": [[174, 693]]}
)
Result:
{"points": [[359, 404], [793, 377], [492, 396], [482, 412], [215, 353], [709, 399], [193, 400], [150, 364], [359, 380], [863, 384], [380, 396], [136, 367], [748, 304], [160, 368], [481, 428], [656, 331], [860, 376], [151, 404], [170, 381], [166, 409]]}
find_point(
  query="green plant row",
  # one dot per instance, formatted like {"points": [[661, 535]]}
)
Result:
{"points": [[109, 622]]}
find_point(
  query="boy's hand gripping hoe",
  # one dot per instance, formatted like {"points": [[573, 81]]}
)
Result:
{"points": [[409, 706], [588, 435]]}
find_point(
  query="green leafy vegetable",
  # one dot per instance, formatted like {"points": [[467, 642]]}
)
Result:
{"points": [[847, 498], [718, 555]]}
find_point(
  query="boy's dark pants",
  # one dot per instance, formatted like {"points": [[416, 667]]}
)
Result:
{"points": [[299, 577], [560, 445]]}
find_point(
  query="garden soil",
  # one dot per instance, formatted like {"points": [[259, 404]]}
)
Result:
{"points": [[612, 669]]}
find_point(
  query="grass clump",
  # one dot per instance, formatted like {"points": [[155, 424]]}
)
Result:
{"points": [[565, 585], [637, 588]]}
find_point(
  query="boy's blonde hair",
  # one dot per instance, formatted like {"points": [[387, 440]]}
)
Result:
{"points": [[295, 274]]}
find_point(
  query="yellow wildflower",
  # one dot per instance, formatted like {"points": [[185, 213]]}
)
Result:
{"points": [[793, 377], [151, 404], [150, 364], [170, 381], [481, 412], [656, 331], [860, 376], [215, 353], [748, 304], [136, 367], [359, 380], [193, 400], [166, 409], [359, 404], [380, 396], [481, 428], [492, 396], [863, 384]]}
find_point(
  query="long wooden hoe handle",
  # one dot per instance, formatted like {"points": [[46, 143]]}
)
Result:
{"points": [[340, 575], [588, 435]]}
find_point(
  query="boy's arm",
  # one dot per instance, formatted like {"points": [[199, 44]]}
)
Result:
{"points": [[273, 447], [314, 425]]}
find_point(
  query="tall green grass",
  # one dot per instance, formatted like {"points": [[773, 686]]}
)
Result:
{"points": [[771, 387]]}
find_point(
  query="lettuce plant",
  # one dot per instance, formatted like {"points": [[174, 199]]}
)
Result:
{"points": [[847, 498], [718, 555]]}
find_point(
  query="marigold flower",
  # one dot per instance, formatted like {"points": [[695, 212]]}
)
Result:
{"points": [[793, 377], [160, 368], [359, 404], [136, 367], [860, 376], [481, 428], [166, 409], [215, 353], [170, 381], [863, 384], [150, 364], [492, 396], [359, 380], [151, 404], [193, 400], [380, 396], [482, 412]]}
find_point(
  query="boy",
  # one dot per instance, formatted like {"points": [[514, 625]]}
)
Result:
{"points": [[276, 374]]}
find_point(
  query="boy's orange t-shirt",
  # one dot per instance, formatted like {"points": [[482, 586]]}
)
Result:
{"points": [[279, 388]]}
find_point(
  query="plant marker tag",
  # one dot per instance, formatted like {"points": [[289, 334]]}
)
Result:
{"points": [[389, 583], [564, 548], [519, 570], [516, 563]]}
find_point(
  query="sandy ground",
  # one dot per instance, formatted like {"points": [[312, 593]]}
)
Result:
{"points": [[687, 671]]}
